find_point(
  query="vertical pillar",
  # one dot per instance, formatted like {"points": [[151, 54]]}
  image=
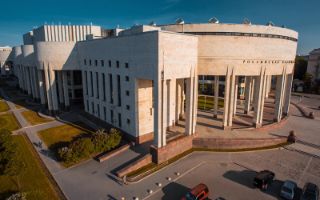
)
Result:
{"points": [[231, 98], [247, 94], [182, 95], [195, 100], [159, 133], [60, 87], [252, 91], [178, 100], [28, 81], [65, 89], [216, 96], [41, 87], [48, 88], [36, 84], [279, 97], [287, 97], [53, 85], [189, 103], [171, 102], [260, 88], [235, 95], [226, 98]]}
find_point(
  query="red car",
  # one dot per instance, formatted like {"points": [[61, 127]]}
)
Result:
{"points": [[199, 192]]}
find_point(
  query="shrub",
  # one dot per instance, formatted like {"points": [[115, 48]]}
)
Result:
{"points": [[104, 142]]}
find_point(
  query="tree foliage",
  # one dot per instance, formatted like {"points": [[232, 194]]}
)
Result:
{"points": [[300, 68]]}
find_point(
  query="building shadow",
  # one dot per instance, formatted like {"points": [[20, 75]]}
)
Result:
{"points": [[244, 177], [174, 191]]}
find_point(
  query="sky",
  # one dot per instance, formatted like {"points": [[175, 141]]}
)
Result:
{"points": [[20, 16]]}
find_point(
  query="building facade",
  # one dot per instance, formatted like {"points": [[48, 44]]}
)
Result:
{"points": [[144, 79], [314, 64]]}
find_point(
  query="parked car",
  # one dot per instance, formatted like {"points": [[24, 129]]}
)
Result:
{"points": [[199, 192], [288, 190], [310, 192], [263, 179]]}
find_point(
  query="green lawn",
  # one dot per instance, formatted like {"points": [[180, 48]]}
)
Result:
{"points": [[9, 121], [61, 135], [4, 106], [33, 118], [33, 180], [207, 103]]}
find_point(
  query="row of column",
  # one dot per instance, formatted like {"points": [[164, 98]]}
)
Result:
{"points": [[47, 85], [169, 106], [257, 89]]}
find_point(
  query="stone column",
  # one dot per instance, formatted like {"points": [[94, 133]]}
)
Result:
{"points": [[65, 90], [216, 96], [195, 101], [287, 97], [235, 95], [182, 99], [36, 84], [60, 88], [247, 94], [171, 102], [252, 91], [48, 88], [178, 100], [189, 105], [226, 98], [231, 98], [28, 79], [159, 133], [279, 97], [53, 85], [260, 88], [41, 87]]}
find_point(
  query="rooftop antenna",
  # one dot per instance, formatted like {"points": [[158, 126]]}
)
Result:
{"points": [[246, 21], [152, 23], [270, 23], [213, 20], [179, 21], [118, 26]]}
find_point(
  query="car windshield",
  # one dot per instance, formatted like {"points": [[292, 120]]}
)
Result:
{"points": [[287, 190], [190, 196]]}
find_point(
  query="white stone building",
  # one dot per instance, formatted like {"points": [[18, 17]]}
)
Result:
{"points": [[144, 79]]}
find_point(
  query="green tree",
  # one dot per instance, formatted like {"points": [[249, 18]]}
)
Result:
{"points": [[300, 67]]}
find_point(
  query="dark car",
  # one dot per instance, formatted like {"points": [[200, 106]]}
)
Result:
{"points": [[199, 192], [263, 179], [310, 192]]}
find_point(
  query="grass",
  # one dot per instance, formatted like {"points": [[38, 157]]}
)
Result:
{"points": [[61, 135], [9, 121], [207, 102], [33, 118], [4, 106], [33, 180]]}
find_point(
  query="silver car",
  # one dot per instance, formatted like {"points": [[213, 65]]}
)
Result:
{"points": [[288, 189]]}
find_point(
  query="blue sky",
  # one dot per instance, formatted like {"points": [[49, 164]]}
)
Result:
{"points": [[20, 16]]}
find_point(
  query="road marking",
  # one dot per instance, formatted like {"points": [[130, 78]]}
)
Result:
{"points": [[183, 174], [305, 170]]}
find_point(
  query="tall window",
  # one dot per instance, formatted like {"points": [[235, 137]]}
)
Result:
{"points": [[97, 82], [102, 63], [85, 62], [91, 80], [86, 77], [109, 63], [105, 113], [112, 117], [118, 64], [127, 65], [111, 88], [119, 119], [95, 62], [104, 86], [119, 90]]}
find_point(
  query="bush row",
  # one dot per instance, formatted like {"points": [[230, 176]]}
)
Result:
{"points": [[81, 148]]}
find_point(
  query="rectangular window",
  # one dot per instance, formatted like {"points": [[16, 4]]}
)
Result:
{"points": [[118, 64], [95, 62], [127, 65], [119, 90], [86, 80], [111, 88], [98, 106], [109, 63], [111, 115], [127, 78], [128, 107], [119, 119], [90, 62], [105, 113], [128, 121], [88, 109], [85, 62], [97, 82], [102, 63], [91, 80], [104, 86], [127, 93], [92, 107]]}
